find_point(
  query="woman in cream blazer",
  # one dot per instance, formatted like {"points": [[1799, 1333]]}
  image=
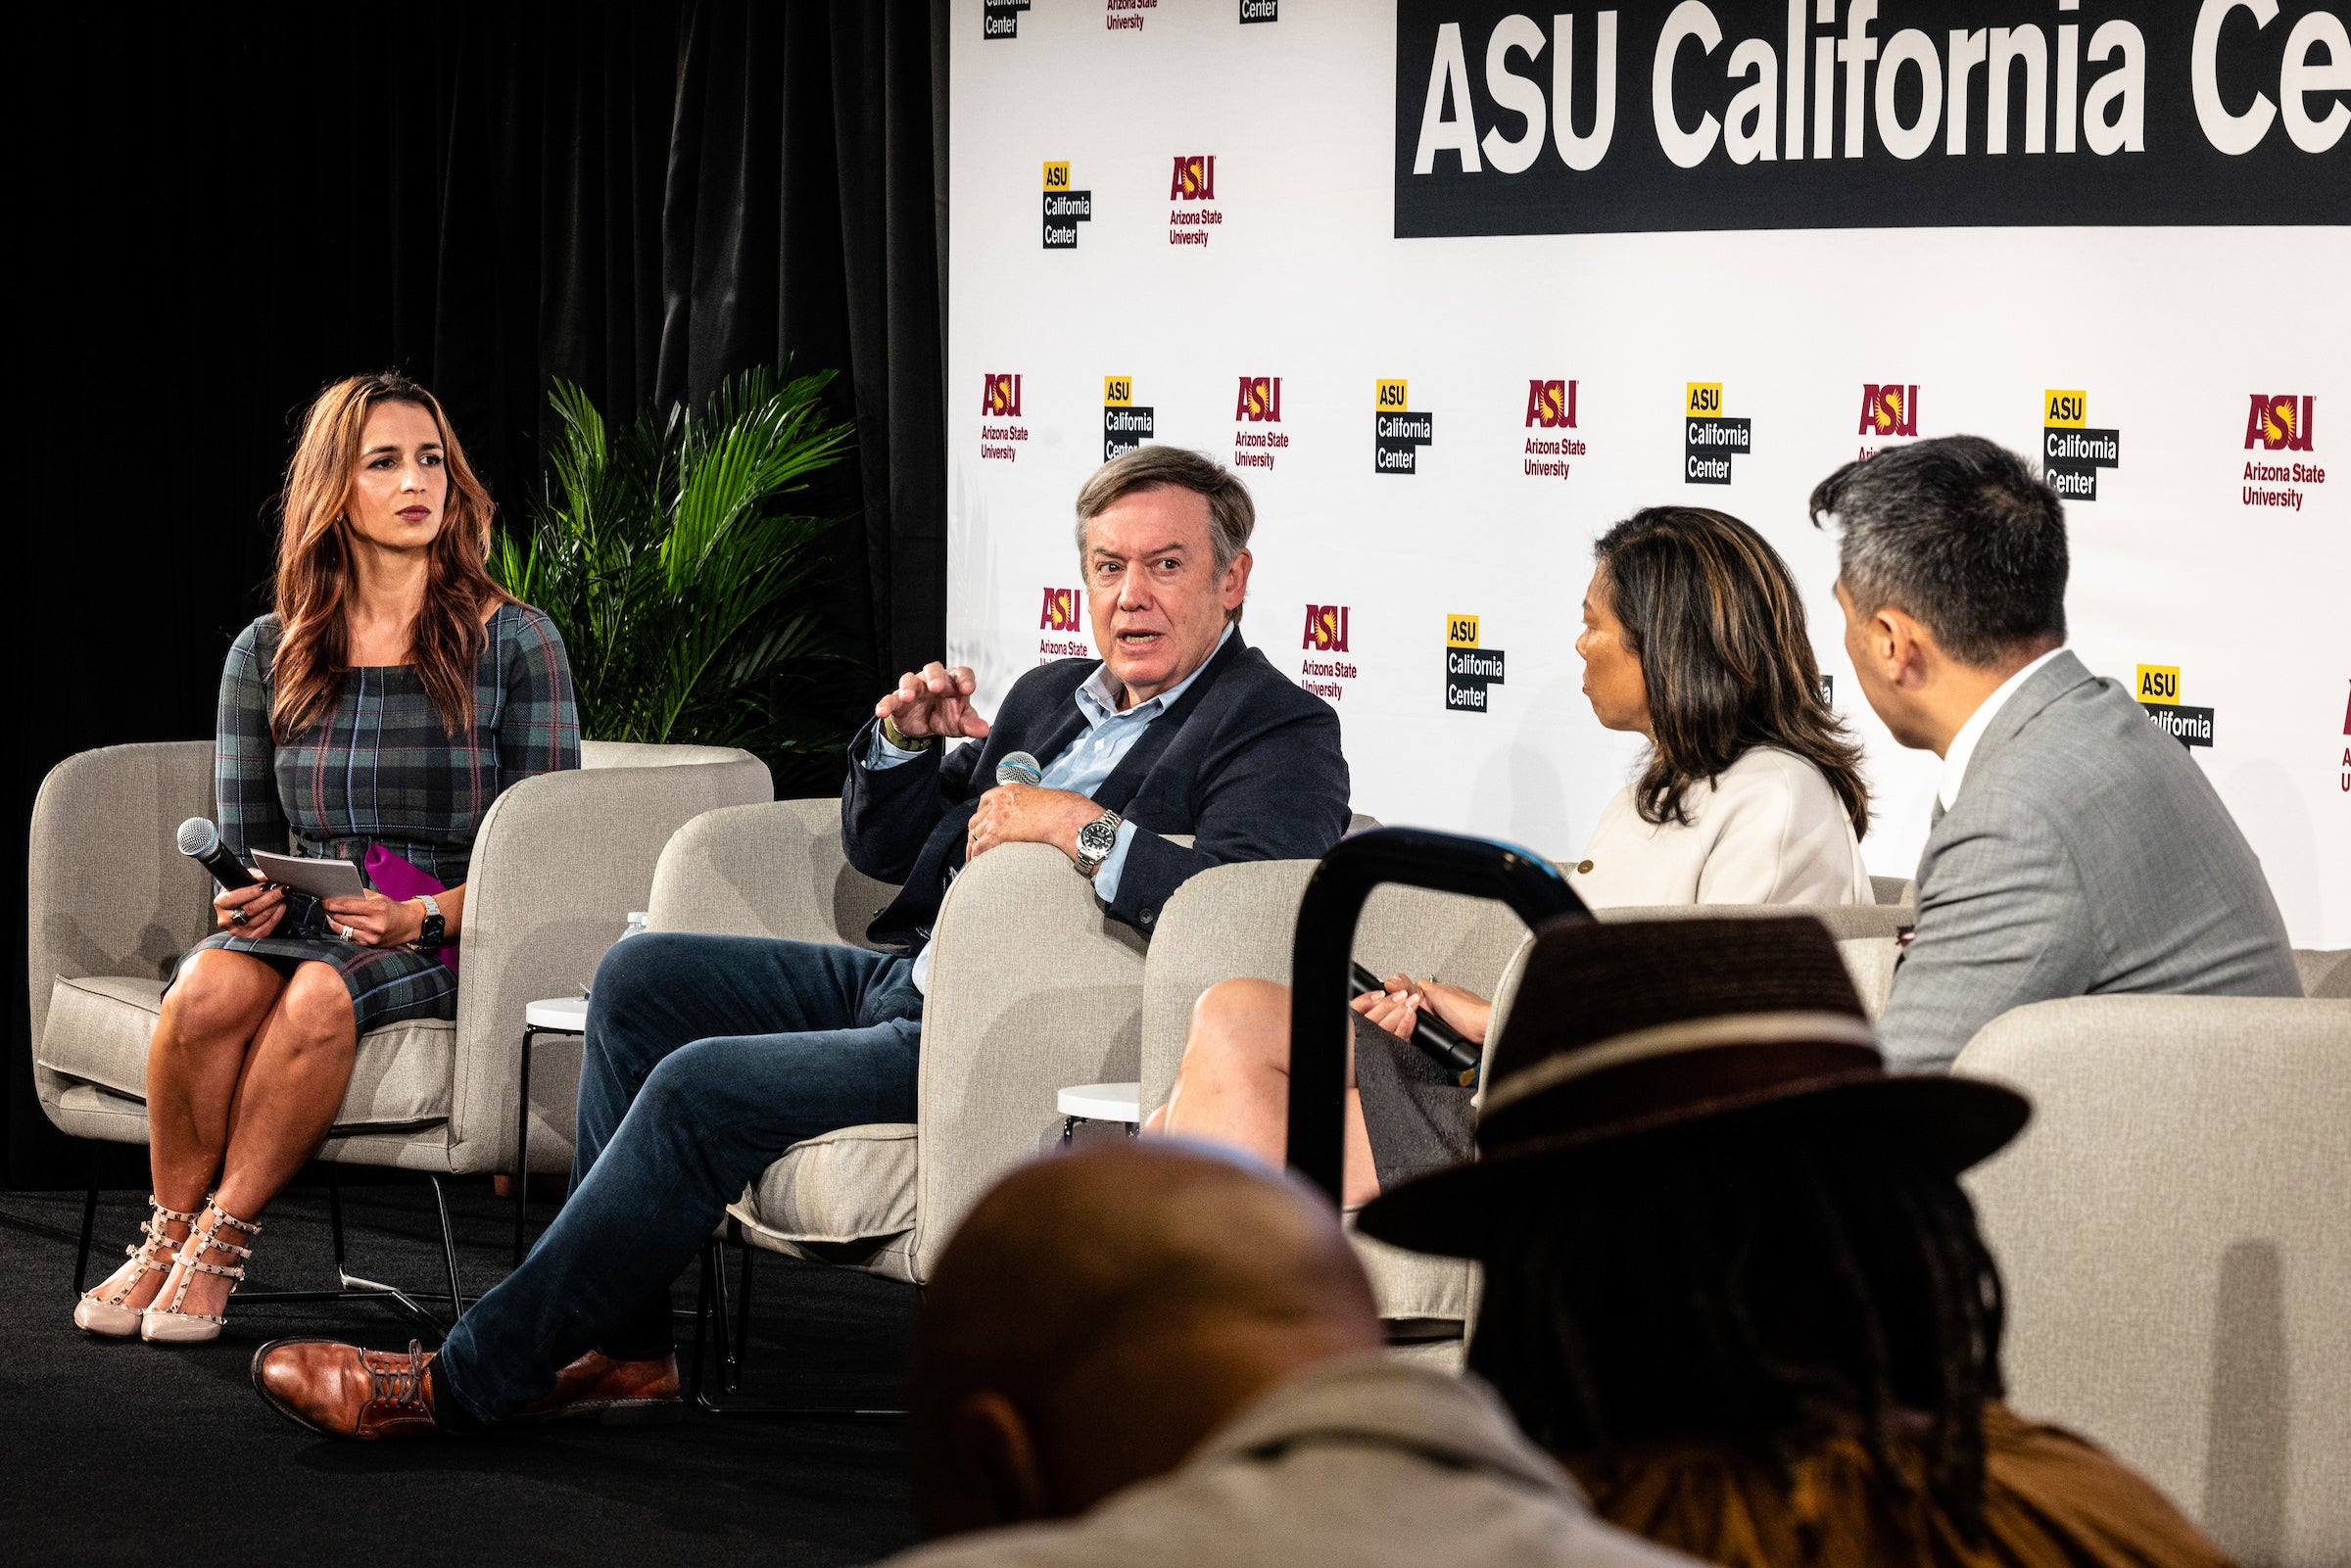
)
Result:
{"points": [[1750, 793]]}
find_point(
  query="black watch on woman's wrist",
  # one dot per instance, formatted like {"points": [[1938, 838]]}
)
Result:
{"points": [[431, 935]]}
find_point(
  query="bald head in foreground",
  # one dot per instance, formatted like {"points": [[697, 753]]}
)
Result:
{"points": [[1148, 1353]]}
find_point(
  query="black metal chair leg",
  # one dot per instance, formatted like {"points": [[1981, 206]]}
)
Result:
{"points": [[449, 1254], [89, 1227], [709, 1320], [743, 1321], [522, 1142], [334, 1213]]}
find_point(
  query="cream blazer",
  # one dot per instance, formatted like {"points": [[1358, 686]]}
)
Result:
{"points": [[1768, 830]]}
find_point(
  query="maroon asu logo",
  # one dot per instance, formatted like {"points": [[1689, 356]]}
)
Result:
{"points": [[1260, 400], [1550, 404], [1000, 397], [1063, 612], [2278, 424], [1194, 178], [1889, 410], [1326, 629]]}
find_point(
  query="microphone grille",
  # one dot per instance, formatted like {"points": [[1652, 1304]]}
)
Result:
{"points": [[198, 837], [1018, 767]]}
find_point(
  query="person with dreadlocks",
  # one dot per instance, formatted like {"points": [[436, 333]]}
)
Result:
{"points": [[1732, 1281]]}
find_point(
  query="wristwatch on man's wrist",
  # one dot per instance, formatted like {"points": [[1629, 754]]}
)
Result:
{"points": [[902, 741], [1095, 840], [434, 925]]}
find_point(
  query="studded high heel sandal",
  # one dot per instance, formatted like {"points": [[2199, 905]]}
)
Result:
{"points": [[169, 1325], [106, 1314]]}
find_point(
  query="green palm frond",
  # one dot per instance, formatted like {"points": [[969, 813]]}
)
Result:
{"points": [[665, 556]]}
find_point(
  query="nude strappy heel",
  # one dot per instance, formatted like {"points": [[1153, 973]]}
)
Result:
{"points": [[106, 1314], [169, 1325]]}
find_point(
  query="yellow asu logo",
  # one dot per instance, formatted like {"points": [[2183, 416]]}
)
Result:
{"points": [[1389, 397], [1460, 631], [1057, 175], [2158, 682], [1703, 399], [1118, 392], [2066, 411]]}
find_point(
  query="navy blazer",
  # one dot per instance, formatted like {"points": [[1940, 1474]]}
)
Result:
{"points": [[1246, 761]]}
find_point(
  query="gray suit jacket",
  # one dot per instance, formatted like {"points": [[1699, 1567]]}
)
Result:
{"points": [[2087, 854]]}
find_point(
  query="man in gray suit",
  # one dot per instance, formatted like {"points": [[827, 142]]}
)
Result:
{"points": [[2076, 849]]}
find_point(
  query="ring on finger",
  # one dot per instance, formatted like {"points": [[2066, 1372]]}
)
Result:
{"points": [[346, 933]]}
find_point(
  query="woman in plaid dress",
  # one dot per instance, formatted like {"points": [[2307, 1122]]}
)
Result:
{"points": [[394, 693]]}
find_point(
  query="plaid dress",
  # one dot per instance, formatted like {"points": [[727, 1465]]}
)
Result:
{"points": [[378, 767]]}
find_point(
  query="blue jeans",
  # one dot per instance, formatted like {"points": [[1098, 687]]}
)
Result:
{"points": [[706, 1057]]}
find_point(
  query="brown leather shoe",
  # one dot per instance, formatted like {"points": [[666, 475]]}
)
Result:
{"points": [[341, 1391], [596, 1387]]}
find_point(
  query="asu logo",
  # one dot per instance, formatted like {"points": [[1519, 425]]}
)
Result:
{"points": [[2071, 452], [1471, 671], [1000, 397], [2158, 691], [1551, 404], [1125, 426], [1064, 206], [1710, 439], [1063, 611], [1326, 629], [1889, 410], [2279, 423], [1260, 400], [1194, 178], [1397, 432]]}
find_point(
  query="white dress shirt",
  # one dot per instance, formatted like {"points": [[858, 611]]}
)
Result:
{"points": [[1963, 744], [1767, 831]]}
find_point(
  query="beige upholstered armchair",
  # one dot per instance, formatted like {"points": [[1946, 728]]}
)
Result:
{"points": [[560, 861], [2174, 1231], [1031, 988]]}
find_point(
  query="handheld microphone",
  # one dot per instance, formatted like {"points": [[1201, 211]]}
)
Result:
{"points": [[200, 841], [1443, 1044], [1013, 766]]}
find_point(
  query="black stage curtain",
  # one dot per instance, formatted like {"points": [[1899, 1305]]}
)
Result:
{"points": [[224, 208]]}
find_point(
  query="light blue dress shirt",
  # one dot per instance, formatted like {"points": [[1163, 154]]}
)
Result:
{"points": [[1084, 765]]}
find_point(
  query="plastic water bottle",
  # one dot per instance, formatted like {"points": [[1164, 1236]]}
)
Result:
{"points": [[637, 919]]}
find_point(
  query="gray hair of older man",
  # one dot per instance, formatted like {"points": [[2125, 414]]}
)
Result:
{"points": [[1958, 533], [1232, 514]]}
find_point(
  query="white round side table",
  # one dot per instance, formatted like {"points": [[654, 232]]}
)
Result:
{"points": [[1099, 1102], [553, 1015]]}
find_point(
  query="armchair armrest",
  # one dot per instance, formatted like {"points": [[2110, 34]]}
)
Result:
{"points": [[106, 892], [559, 861], [1033, 987], [775, 868]]}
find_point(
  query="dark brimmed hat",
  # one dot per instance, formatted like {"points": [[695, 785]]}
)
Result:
{"points": [[1627, 1028]]}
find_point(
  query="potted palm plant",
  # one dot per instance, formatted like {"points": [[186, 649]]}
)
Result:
{"points": [[679, 576]]}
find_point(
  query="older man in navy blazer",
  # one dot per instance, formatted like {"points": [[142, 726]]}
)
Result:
{"points": [[706, 1057]]}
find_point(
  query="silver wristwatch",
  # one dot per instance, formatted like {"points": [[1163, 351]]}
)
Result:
{"points": [[1095, 840]]}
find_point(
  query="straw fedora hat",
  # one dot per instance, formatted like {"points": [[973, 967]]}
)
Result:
{"points": [[1627, 1028]]}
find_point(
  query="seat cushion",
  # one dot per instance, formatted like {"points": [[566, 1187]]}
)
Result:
{"points": [[1409, 1286], [99, 1029], [852, 1185]]}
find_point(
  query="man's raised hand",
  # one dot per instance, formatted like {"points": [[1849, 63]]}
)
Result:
{"points": [[934, 700]]}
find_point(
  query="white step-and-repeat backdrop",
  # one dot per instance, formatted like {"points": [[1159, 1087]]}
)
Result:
{"points": [[1456, 285]]}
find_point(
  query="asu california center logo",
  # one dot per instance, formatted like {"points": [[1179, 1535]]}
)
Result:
{"points": [[1125, 426], [1549, 408], [1397, 433], [2158, 691], [1887, 409], [1064, 208], [1256, 411], [2280, 423], [1709, 438], [1469, 669], [2070, 451]]}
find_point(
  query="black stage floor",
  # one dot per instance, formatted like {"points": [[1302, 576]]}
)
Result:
{"points": [[121, 1452]]}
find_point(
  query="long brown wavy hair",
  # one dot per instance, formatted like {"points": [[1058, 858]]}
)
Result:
{"points": [[1710, 610], [314, 563]]}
